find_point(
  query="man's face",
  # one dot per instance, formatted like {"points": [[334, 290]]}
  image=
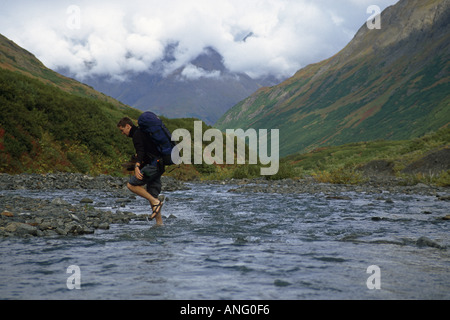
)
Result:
{"points": [[125, 130]]}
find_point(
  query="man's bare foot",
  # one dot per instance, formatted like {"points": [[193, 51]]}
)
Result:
{"points": [[157, 208]]}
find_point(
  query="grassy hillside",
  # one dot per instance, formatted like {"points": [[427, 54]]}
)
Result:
{"points": [[51, 123], [346, 163], [19, 60], [359, 162], [44, 128], [390, 84], [354, 154]]}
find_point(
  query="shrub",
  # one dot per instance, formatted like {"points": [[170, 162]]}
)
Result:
{"points": [[339, 176], [285, 171]]}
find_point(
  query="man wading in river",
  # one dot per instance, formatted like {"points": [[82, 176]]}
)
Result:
{"points": [[146, 170]]}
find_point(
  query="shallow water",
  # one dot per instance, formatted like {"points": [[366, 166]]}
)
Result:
{"points": [[221, 245]]}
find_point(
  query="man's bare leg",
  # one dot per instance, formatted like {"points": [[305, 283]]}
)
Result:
{"points": [[142, 192]]}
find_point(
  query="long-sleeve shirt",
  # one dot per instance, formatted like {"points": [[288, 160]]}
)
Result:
{"points": [[146, 151]]}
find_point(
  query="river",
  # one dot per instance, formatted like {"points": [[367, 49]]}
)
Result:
{"points": [[220, 245]]}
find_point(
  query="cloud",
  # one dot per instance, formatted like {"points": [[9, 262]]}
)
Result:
{"points": [[115, 38], [192, 72]]}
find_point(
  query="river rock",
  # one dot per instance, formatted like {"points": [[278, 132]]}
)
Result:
{"points": [[7, 214], [104, 226], [308, 185], [426, 242], [21, 229], [59, 201], [443, 198], [31, 217], [60, 181]]}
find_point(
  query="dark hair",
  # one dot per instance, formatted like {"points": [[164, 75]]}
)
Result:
{"points": [[124, 121]]}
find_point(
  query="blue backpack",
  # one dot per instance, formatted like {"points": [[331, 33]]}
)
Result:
{"points": [[151, 124]]}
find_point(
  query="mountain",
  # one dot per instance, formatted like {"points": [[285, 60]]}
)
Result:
{"points": [[52, 123], [390, 83], [203, 89], [19, 60]]}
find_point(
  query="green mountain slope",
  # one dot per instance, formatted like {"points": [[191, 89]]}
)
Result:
{"points": [[391, 83], [19, 60], [52, 123]]}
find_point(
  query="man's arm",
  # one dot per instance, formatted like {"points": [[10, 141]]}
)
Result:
{"points": [[140, 153], [138, 141]]}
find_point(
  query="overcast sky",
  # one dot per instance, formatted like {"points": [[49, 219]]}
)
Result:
{"points": [[113, 38]]}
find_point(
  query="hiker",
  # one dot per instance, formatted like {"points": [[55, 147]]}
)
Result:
{"points": [[146, 170]]}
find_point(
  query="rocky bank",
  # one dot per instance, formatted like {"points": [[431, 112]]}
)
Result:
{"points": [[26, 217], [21, 216], [373, 185], [77, 181]]}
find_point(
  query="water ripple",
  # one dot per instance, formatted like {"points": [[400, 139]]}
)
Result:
{"points": [[219, 245]]}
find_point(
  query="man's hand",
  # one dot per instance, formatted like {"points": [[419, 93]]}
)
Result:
{"points": [[138, 173]]}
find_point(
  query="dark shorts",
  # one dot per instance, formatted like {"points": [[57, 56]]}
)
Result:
{"points": [[152, 178]]}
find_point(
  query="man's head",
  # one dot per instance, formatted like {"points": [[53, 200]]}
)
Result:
{"points": [[125, 125]]}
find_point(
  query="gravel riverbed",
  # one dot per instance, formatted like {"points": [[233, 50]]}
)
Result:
{"points": [[29, 216]]}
